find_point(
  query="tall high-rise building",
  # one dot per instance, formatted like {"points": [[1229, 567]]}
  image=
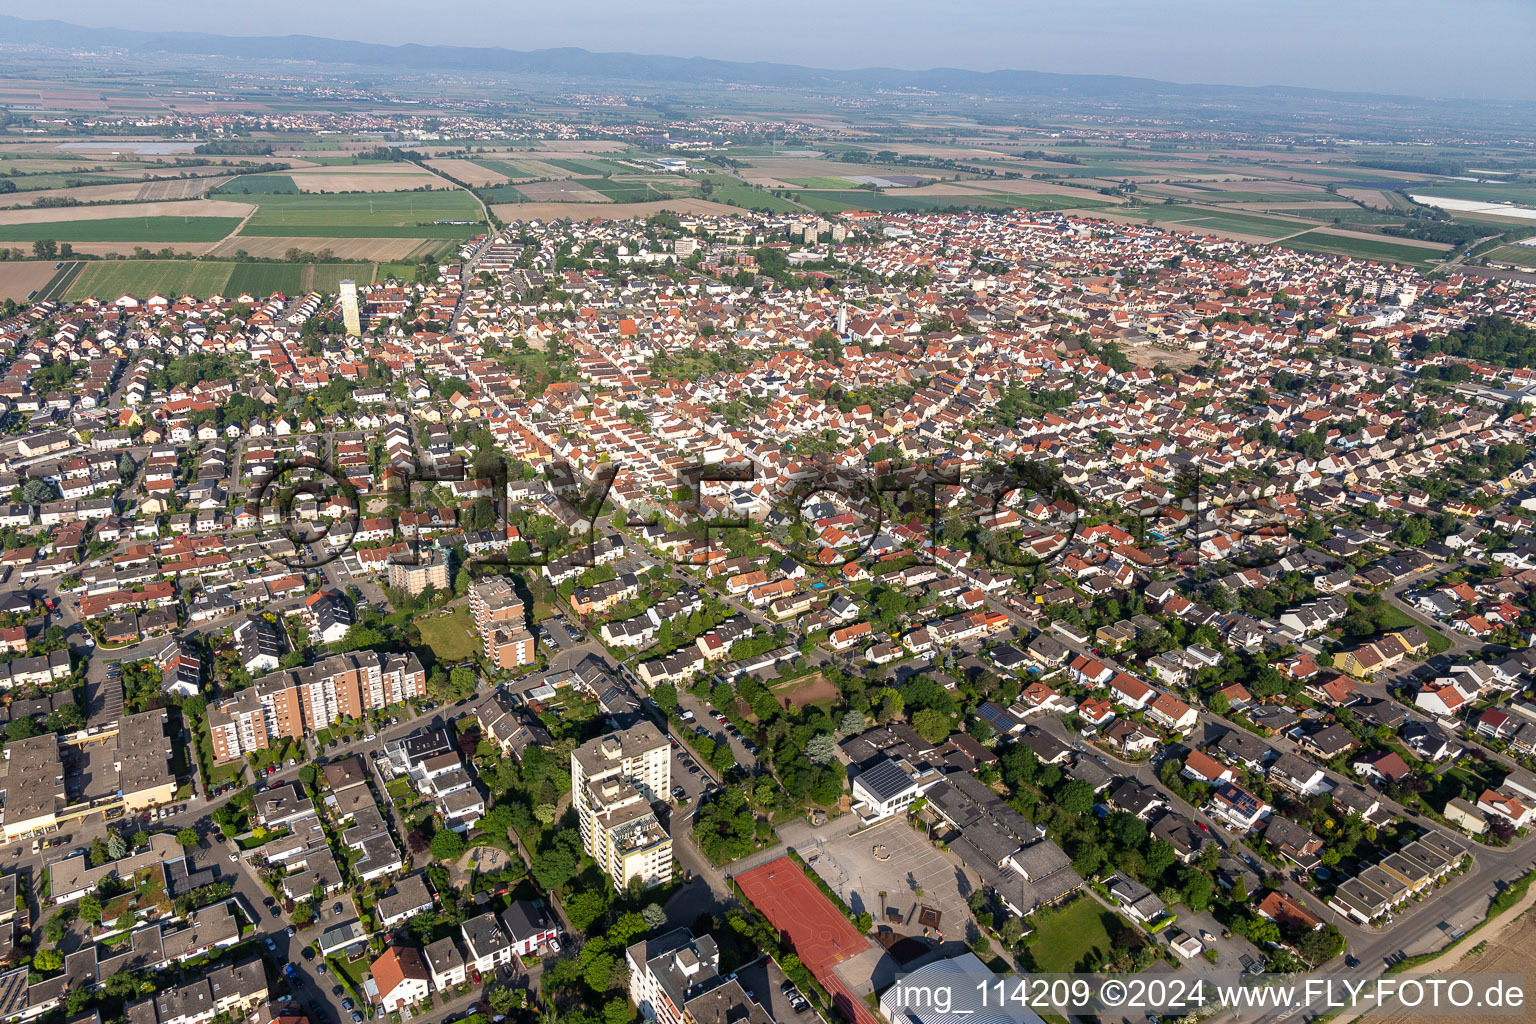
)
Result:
{"points": [[614, 779], [350, 314]]}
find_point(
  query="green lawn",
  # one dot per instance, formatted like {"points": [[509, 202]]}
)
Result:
{"points": [[452, 636], [123, 229], [367, 215], [1365, 248], [1062, 940]]}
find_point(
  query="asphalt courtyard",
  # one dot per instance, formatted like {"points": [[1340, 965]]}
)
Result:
{"points": [[891, 857]]}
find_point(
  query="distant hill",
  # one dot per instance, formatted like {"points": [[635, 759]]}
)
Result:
{"points": [[573, 62]]}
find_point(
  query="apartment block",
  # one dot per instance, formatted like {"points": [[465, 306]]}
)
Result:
{"points": [[614, 780], [299, 700]]}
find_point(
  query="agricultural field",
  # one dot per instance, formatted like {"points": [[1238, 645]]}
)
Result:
{"points": [[589, 166], [820, 182], [21, 278], [258, 184], [607, 211], [1199, 218], [378, 177], [108, 279], [501, 194], [381, 215], [1366, 248], [505, 168], [469, 172], [560, 192], [123, 229], [1524, 255], [373, 250], [750, 198], [1484, 191]]}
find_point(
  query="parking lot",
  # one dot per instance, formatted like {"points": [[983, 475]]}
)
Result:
{"points": [[892, 858]]}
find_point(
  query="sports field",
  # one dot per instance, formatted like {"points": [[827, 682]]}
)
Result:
{"points": [[821, 936], [375, 215]]}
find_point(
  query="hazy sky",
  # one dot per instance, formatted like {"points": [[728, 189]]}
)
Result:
{"points": [[1450, 48]]}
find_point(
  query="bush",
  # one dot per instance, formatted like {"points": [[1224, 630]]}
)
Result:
{"points": [[447, 845]]}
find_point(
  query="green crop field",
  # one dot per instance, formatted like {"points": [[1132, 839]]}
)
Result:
{"points": [[506, 167], [589, 166], [1352, 215], [258, 184], [265, 278], [621, 191], [750, 198], [886, 202], [1197, 218], [820, 182], [1365, 248], [327, 277], [107, 279], [123, 229], [501, 194], [1525, 255], [366, 215]]}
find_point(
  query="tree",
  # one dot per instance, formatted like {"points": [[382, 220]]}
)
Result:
{"points": [[931, 724], [853, 722], [1320, 946], [822, 749], [665, 696], [585, 908], [89, 908], [1160, 855], [447, 845], [1197, 891], [187, 837], [1075, 797], [48, 960], [554, 867], [23, 728], [654, 916], [308, 773], [117, 849]]}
